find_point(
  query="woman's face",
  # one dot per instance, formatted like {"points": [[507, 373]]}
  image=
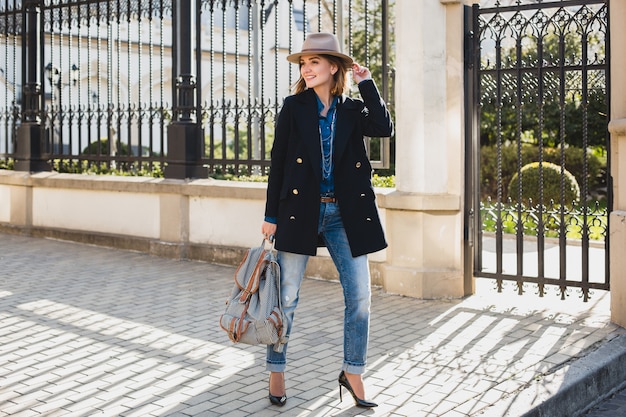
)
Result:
{"points": [[317, 71]]}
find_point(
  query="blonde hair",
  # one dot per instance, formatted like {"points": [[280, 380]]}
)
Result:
{"points": [[341, 78]]}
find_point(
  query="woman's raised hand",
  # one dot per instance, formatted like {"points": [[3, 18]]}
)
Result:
{"points": [[360, 73]]}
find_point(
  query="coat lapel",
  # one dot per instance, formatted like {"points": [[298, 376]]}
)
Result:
{"points": [[308, 126], [346, 114]]}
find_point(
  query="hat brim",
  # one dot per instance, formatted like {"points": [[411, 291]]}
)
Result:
{"points": [[345, 59]]}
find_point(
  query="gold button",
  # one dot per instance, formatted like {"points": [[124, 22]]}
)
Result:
{"points": [[362, 195], [358, 165], [369, 219], [295, 191], [292, 217], [299, 160]]}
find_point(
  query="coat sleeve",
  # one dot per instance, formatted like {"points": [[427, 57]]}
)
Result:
{"points": [[278, 158], [376, 118]]}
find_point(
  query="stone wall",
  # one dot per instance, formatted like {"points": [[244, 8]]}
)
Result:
{"points": [[208, 220]]}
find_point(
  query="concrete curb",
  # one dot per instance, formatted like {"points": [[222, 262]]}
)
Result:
{"points": [[572, 389]]}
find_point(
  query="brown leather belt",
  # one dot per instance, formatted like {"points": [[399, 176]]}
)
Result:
{"points": [[324, 199]]}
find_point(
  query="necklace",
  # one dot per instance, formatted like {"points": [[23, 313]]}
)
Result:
{"points": [[327, 158]]}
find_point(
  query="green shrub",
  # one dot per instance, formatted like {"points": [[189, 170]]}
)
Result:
{"points": [[126, 169], [551, 185], [7, 164], [384, 182], [377, 181], [574, 158]]}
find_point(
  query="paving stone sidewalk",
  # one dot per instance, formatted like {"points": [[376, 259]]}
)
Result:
{"points": [[92, 331]]}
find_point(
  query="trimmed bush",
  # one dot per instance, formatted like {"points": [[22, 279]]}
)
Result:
{"points": [[573, 163], [551, 184], [101, 147]]}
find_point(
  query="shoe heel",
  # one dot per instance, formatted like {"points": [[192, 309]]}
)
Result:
{"points": [[343, 382], [340, 393]]}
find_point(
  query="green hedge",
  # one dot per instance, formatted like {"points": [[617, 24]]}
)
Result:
{"points": [[7, 164]]}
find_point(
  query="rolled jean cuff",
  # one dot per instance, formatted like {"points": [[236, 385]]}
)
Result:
{"points": [[275, 367], [353, 369]]}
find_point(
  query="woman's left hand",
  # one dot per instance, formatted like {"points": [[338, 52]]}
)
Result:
{"points": [[360, 73], [268, 230]]}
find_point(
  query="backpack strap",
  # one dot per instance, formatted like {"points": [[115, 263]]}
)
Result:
{"points": [[254, 280], [277, 316]]}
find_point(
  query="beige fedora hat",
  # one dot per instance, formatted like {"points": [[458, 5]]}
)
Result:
{"points": [[323, 44]]}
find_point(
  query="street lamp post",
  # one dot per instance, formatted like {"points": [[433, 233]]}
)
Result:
{"points": [[54, 76], [185, 134], [31, 151]]}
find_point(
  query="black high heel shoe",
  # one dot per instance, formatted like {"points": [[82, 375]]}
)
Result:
{"points": [[343, 382], [278, 400]]}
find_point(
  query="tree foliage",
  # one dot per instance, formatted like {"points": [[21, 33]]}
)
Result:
{"points": [[367, 49], [547, 110], [101, 147]]}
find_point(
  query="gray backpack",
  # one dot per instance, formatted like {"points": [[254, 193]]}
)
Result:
{"points": [[253, 311]]}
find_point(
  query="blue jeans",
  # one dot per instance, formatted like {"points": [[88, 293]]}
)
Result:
{"points": [[354, 276]]}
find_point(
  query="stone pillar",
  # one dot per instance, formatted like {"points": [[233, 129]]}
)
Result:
{"points": [[21, 203], [617, 128], [424, 216], [174, 225]]}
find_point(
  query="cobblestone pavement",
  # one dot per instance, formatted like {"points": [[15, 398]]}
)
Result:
{"points": [[92, 331]]}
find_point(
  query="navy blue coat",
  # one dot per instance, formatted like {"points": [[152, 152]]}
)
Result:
{"points": [[295, 173]]}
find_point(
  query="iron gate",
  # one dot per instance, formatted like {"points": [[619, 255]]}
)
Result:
{"points": [[538, 169]]}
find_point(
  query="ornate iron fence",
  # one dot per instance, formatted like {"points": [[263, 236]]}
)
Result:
{"points": [[111, 77], [541, 176]]}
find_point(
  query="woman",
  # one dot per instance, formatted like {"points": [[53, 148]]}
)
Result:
{"points": [[320, 194]]}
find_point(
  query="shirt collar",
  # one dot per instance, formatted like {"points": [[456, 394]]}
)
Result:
{"points": [[320, 105]]}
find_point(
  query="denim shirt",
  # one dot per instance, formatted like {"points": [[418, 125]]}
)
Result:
{"points": [[327, 185]]}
